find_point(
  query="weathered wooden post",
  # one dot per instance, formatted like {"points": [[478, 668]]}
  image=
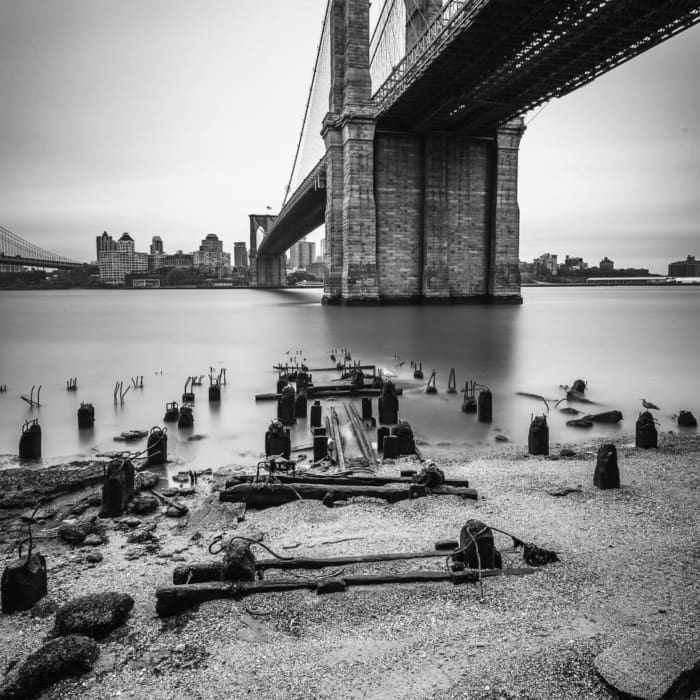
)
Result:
{"points": [[388, 404], [316, 416], [645, 431], [381, 436], [477, 548], [23, 583], [538, 436], [390, 448], [157, 446], [607, 474], [300, 405], [687, 420], [277, 440], [214, 393], [404, 435], [172, 412], [86, 416], [320, 446], [484, 406], [239, 562], [186, 417], [117, 488], [30, 440], [366, 408], [285, 406]]}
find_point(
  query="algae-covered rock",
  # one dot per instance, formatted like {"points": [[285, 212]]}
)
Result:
{"points": [[93, 615], [58, 658]]}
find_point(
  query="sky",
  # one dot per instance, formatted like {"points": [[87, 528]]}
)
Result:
{"points": [[180, 118]]}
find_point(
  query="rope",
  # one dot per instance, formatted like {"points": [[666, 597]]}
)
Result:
{"points": [[218, 538]]}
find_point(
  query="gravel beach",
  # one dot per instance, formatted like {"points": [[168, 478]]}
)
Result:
{"points": [[628, 567]]}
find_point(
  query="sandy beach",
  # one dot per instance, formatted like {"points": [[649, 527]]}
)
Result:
{"points": [[628, 571]]}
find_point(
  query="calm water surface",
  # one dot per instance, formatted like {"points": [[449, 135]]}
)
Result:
{"points": [[628, 343]]}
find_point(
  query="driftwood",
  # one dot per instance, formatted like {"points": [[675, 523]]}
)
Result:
{"points": [[213, 570], [605, 417], [343, 480], [334, 425], [169, 501], [270, 495], [357, 429], [174, 599]]}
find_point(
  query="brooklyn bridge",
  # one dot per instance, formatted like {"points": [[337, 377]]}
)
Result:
{"points": [[408, 152]]}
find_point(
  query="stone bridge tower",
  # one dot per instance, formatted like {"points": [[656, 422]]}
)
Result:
{"points": [[420, 216]]}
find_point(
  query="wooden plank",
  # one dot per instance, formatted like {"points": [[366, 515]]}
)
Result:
{"points": [[212, 571], [358, 431], [174, 599], [342, 480]]}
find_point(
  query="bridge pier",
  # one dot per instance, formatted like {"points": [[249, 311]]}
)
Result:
{"points": [[412, 217], [265, 270]]}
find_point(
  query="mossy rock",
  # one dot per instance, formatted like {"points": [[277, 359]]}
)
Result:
{"points": [[58, 658], [93, 615]]}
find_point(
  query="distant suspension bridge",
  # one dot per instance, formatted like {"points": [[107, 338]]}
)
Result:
{"points": [[18, 252]]}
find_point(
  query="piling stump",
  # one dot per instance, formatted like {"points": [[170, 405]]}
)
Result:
{"points": [[157, 446], [278, 440], [607, 474], [186, 417], [366, 408], [538, 437], [30, 440], [23, 583], [474, 532], [391, 447], [404, 434], [239, 562], [285, 406], [320, 447], [86, 416], [172, 412], [300, 405], [687, 420], [484, 406], [388, 404], [118, 488], [645, 431], [381, 436], [316, 415], [214, 394]]}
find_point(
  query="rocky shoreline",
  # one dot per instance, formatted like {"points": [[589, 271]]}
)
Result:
{"points": [[626, 575]]}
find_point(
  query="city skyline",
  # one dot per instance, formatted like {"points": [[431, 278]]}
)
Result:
{"points": [[150, 138]]}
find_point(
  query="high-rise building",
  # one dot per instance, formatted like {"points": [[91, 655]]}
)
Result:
{"points": [[240, 254], [104, 242], [546, 264], [156, 245], [211, 256], [606, 265], [302, 254], [690, 267], [118, 261]]}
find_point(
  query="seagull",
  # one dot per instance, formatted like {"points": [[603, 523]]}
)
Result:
{"points": [[648, 404]]}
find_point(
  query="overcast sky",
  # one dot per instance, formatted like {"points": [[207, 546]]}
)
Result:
{"points": [[179, 118]]}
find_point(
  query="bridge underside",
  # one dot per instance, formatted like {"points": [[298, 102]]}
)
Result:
{"points": [[509, 57]]}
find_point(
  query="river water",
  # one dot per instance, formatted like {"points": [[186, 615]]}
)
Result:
{"points": [[626, 342]]}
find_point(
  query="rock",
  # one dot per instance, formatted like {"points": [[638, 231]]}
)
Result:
{"points": [[567, 452], [94, 557], [39, 515], [501, 438], [175, 512], [93, 615], [66, 656], [141, 537], [687, 420], [144, 504], [145, 480], [649, 668], [563, 490], [44, 608], [72, 532], [93, 540]]}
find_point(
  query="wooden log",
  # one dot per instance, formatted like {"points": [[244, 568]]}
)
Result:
{"points": [[270, 495], [358, 430], [174, 599], [214, 570], [343, 480], [337, 439]]}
